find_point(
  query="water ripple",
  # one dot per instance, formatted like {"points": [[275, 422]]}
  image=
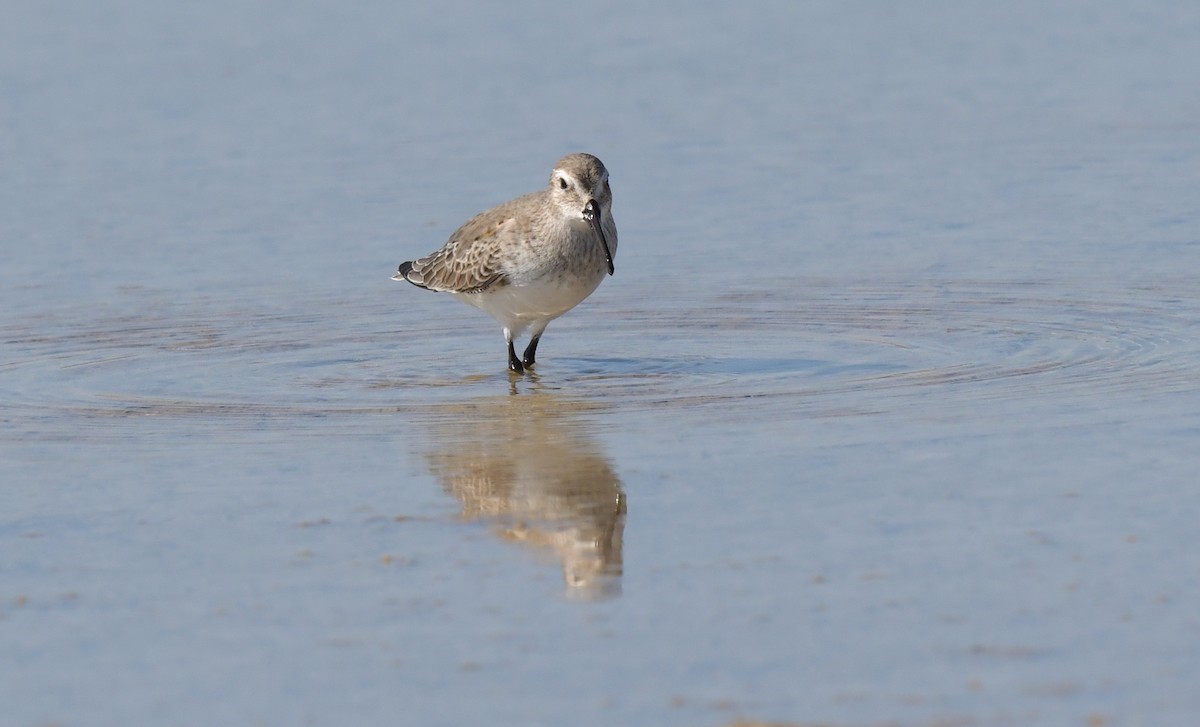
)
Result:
{"points": [[809, 348]]}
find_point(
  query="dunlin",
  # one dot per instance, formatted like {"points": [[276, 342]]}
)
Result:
{"points": [[529, 260]]}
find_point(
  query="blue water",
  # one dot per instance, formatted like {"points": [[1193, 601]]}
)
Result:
{"points": [[889, 415]]}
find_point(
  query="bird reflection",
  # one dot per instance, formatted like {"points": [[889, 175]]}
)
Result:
{"points": [[527, 463]]}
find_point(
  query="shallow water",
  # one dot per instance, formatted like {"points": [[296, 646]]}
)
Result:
{"points": [[888, 416]]}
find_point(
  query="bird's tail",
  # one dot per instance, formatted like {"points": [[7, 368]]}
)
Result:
{"points": [[402, 273]]}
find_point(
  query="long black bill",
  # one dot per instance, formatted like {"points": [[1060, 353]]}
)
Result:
{"points": [[591, 213]]}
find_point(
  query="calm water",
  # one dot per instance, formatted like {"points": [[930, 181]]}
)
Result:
{"points": [[889, 416]]}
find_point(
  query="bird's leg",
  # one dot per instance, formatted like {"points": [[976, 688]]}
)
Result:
{"points": [[514, 363], [535, 335], [531, 350]]}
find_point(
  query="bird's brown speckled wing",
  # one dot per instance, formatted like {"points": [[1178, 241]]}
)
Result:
{"points": [[470, 261]]}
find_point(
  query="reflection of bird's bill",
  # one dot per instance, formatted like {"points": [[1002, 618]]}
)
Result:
{"points": [[591, 213]]}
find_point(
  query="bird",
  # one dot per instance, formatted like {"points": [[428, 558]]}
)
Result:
{"points": [[529, 260]]}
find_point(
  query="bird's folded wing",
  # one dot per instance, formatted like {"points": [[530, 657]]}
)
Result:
{"points": [[470, 261]]}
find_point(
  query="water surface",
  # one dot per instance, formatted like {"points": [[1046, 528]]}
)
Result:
{"points": [[888, 416]]}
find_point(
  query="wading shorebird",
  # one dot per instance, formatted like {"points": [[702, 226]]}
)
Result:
{"points": [[529, 260]]}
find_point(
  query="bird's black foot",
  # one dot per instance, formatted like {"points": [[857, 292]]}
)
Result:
{"points": [[531, 352], [514, 363]]}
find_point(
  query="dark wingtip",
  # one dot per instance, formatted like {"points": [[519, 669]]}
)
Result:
{"points": [[403, 271]]}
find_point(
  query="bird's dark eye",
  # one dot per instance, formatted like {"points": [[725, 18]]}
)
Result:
{"points": [[562, 183]]}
